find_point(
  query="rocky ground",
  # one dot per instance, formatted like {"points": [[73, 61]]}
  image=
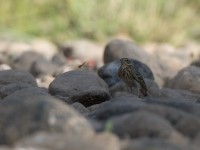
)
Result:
{"points": [[50, 100]]}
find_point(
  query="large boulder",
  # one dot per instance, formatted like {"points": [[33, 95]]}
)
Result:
{"points": [[16, 76], [187, 79], [144, 124], [84, 87], [109, 72], [28, 111], [69, 141]]}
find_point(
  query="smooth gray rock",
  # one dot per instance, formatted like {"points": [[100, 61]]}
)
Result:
{"points": [[155, 144], [43, 67], [16, 76], [25, 61], [116, 107], [187, 79], [144, 124], [12, 87], [80, 108], [109, 72], [26, 112], [84, 87]]}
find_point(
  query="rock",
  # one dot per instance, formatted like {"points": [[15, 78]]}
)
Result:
{"points": [[69, 141], [16, 48], [43, 67], [120, 88], [145, 124], [116, 107], [80, 108], [181, 104], [44, 80], [187, 79], [185, 123], [4, 67], [117, 49], [77, 50], [80, 86], [4, 45], [154, 144], [59, 59], [28, 111], [12, 87], [178, 94], [109, 72], [44, 47], [16, 76], [26, 59], [196, 63]]}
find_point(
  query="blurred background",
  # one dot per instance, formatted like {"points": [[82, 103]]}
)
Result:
{"points": [[143, 21]]}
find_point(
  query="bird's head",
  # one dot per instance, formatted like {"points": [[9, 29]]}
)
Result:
{"points": [[126, 61]]}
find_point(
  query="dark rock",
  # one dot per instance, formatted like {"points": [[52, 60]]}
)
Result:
{"points": [[28, 92], [59, 59], [43, 67], [116, 107], [187, 79], [144, 124], [181, 104], [72, 141], [196, 63], [24, 113], [24, 61], [178, 94], [80, 86], [121, 88], [109, 72], [155, 144], [16, 76], [185, 123], [80, 108], [13, 87]]}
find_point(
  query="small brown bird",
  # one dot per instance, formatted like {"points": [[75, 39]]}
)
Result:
{"points": [[128, 73]]}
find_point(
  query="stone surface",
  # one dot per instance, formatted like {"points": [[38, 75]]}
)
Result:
{"points": [[80, 86], [145, 124], [16, 76], [117, 48], [84, 50], [178, 94], [59, 59], [121, 88], [72, 141], [12, 87], [116, 107], [25, 61], [43, 67], [187, 79], [31, 110], [155, 144], [4, 67], [196, 63], [185, 123], [44, 47], [109, 72], [16, 48], [80, 108], [183, 104], [44, 80]]}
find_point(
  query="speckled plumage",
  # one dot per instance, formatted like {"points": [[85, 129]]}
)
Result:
{"points": [[131, 76]]}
